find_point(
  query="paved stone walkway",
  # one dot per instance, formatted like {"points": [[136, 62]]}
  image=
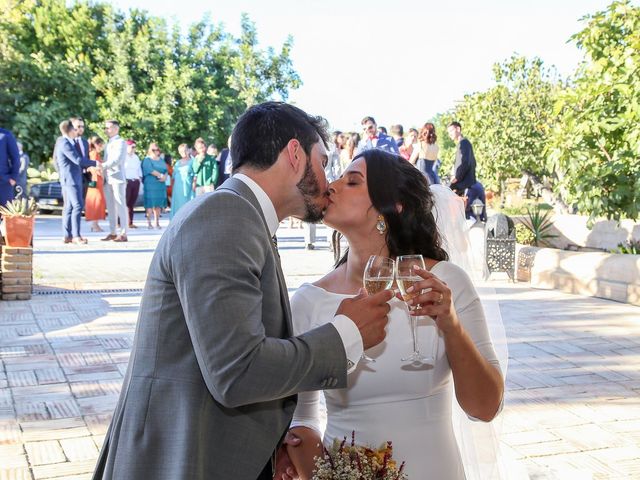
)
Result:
{"points": [[572, 409]]}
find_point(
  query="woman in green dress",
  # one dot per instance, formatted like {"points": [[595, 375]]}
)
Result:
{"points": [[154, 177], [182, 180], [205, 169]]}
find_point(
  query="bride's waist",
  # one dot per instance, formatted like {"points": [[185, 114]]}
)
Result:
{"points": [[420, 410]]}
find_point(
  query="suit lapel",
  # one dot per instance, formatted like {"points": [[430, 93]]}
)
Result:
{"points": [[241, 189]]}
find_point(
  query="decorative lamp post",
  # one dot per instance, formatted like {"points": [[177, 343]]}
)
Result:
{"points": [[476, 207], [500, 245]]}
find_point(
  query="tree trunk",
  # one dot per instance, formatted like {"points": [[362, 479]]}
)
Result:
{"points": [[547, 194]]}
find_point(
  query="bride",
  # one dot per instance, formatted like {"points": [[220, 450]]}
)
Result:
{"points": [[383, 206]]}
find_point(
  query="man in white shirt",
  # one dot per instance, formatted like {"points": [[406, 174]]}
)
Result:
{"points": [[133, 174], [113, 165]]}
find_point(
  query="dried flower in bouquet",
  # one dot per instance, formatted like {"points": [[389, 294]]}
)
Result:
{"points": [[355, 462]]}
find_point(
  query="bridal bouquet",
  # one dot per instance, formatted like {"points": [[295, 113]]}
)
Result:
{"points": [[355, 462]]}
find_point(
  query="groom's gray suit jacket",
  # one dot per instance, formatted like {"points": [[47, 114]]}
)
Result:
{"points": [[213, 375]]}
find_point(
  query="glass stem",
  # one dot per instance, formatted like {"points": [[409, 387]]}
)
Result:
{"points": [[414, 333]]}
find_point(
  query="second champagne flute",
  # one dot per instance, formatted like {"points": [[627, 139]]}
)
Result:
{"points": [[407, 277], [378, 276]]}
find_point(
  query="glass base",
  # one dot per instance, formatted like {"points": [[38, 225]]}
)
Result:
{"points": [[366, 359], [417, 357]]}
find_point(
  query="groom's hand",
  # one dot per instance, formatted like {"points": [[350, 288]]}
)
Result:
{"points": [[369, 313], [284, 468]]}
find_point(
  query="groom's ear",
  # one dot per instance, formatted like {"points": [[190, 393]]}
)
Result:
{"points": [[294, 154], [399, 207]]}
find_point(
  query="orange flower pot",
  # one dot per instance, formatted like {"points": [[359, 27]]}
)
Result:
{"points": [[19, 231]]}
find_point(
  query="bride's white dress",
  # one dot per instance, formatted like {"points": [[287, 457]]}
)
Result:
{"points": [[390, 400]]}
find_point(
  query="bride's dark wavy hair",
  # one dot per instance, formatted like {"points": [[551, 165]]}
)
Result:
{"points": [[393, 181]]}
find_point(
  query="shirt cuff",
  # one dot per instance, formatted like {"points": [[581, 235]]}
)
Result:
{"points": [[351, 339]]}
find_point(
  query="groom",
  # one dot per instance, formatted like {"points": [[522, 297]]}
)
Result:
{"points": [[213, 375]]}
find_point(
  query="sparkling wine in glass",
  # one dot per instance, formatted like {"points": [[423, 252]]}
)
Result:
{"points": [[378, 276], [407, 277]]}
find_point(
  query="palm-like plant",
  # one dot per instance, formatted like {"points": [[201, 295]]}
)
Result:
{"points": [[539, 223]]}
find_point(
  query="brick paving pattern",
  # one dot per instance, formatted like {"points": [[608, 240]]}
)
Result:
{"points": [[572, 409]]}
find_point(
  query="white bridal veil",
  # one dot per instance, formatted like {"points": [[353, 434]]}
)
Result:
{"points": [[479, 442]]}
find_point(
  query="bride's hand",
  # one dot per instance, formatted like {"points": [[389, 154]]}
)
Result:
{"points": [[435, 303]]}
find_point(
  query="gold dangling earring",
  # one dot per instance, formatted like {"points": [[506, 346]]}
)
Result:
{"points": [[381, 226]]}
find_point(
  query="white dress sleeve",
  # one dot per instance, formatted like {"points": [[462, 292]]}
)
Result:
{"points": [[471, 315], [307, 413]]}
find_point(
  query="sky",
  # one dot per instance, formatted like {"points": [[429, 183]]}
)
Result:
{"points": [[400, 64]]}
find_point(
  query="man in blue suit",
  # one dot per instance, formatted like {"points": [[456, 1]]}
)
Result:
{"points": [[463, 174], [464, 168], [373, 139], [82, 147], [9, 165], [70, 164]]}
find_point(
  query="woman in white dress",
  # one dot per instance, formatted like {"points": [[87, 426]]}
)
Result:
{"points": [[409, 404]]}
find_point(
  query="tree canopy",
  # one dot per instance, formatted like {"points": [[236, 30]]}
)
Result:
{"points": [[581, 134], [160, 83]]}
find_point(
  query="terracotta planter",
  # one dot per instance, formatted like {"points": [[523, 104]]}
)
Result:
{"points": [[19, 231]]}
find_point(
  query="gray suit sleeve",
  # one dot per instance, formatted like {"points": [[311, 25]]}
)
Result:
{"points": [[217, 264]]}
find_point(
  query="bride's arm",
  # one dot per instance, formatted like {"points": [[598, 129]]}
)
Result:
{"points": [[478, 381]]}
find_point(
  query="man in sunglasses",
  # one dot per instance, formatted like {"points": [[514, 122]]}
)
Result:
{"points": [[371, 138]]}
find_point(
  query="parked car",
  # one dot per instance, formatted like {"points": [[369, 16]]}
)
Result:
{"points": [[48, 195]]}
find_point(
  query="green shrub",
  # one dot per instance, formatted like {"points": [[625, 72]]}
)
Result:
{"points": [[632, 247], [524, 236], [539, 224]]}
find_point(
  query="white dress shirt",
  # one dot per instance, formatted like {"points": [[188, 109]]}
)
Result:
{"points": [[132, 167], [349, 333]]}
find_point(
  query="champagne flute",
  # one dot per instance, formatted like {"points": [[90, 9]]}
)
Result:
{"points": [[407, 277], [378, 276]]}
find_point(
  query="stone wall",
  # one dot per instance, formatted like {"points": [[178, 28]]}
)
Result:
{"points": [[605, 234], [597, 274]]}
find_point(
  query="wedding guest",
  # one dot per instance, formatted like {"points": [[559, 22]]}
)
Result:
{"points": [[373, 138], [168, 160], [333, 170], [9, 166], [82, 146], [205, 169], [115, 186], [70, 164], [95, 208], [212, 150], [425, 153], [225, 163], [349, 150], [397, 133], [406, 149], [21, 180], [133, 174], [182, 180], [463, 172], [154, 177]]}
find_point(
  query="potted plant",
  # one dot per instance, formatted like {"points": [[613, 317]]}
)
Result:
{"points": [[18, 220]]}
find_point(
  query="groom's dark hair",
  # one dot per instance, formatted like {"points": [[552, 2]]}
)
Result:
{"points": [[265, 129]]}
